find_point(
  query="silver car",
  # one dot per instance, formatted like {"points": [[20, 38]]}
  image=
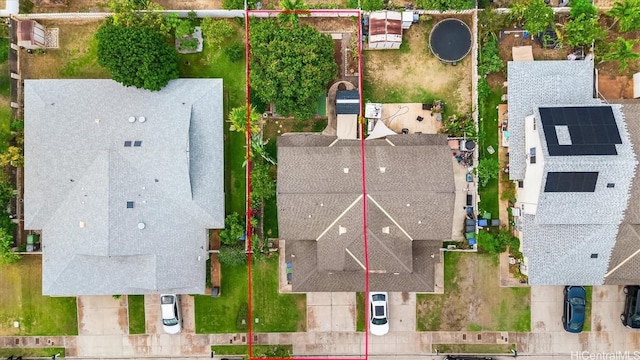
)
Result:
{"points": [[171, 317]]}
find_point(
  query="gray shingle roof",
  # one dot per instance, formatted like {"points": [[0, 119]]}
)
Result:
{"points": [[535, 83], [79, 176], [410, 201], [624, 268]]}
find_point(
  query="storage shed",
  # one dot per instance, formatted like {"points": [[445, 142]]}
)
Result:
{"points": [[31, 35], [385, 30]]}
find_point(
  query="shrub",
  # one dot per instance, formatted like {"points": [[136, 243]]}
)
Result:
{"points": [[233, 255], [488, 168], [233, 229], [489, 60], [234, 51], [484, 90], [495, 242]]}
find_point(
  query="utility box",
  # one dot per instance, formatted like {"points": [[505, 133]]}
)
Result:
{"points": [[33, 242]]}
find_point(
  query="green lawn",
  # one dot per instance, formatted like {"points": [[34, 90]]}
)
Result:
{"points": [[473, 299], [587, 311], [489, 137], [269, 351], [32, 352], [276, 312], [136, 314], [360, 311], [22, 301], [215, 64], [5, 106], [218, 315]]}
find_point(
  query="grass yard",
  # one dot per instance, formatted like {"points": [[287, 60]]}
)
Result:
{"points": [[5, 106], [136, 314], [269, 351], [276, 312], [32, 352], [218, 315], [76, 56], [361, 302], [474, 348], [587, 311], [414, 74], [473, 299], [212, 63], [489, 137], [22, 301]]}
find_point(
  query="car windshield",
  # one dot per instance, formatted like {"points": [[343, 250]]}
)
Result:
{"points": [[166, 299], [377, 297], [377, 321], [577, 301], [170, 322]]}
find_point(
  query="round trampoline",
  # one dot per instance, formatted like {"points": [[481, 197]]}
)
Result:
{"points": [[450, 40]]}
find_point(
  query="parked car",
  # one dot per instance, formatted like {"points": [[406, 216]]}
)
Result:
{"points": [[466, 357], [631, 313], [379, 313], [575, 302], [171, 317]]}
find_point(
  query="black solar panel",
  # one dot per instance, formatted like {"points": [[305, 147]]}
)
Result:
{"points": [[593, 130], [571, 182]]}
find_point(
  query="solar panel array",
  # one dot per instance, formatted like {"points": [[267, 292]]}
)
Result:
{"points": [[593, 130], [571, 182]]}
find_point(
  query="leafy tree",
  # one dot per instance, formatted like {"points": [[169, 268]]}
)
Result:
{"points": [[235, 51], [444, 5], [7, 256], [488, 168], [13, 156], [290, 66], [489, 24], [622, 52], [626, 14], [216, 31], [497, 242], [582, 7], [238, 119], [233, 255], [139, 13], [372, 5], [262, 183], [136, 56], [516, 13], [583, 31], [238, 4], [234, 229], [489, 60], [292, 9], [538, 16], [484, 90]]}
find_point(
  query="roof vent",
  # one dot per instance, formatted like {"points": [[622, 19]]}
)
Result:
{"points": [[383, 169], [132, 119], [83, 224], [97, 121], [142, 119], [346, 170], [141, 225], [385, 230], [408, 205], [341, 230]]}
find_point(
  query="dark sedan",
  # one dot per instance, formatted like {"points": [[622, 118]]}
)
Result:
{"points": [[575, 302]]}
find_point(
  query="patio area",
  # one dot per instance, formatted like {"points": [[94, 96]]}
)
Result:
{"points": [[400, 116]]}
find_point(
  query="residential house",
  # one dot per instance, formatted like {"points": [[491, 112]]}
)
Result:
{"points": [[123, 184], [409, 200], [573, 159]]}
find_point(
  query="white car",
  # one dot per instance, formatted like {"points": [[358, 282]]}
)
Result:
{"points": [[379, 313], [170, 308]]}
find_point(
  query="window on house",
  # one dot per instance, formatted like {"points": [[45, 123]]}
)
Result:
{"points": [[532, 155], [127, 143], [611, 185]]}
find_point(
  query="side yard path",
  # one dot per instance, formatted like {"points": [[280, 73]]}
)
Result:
{"points": [[323, 343]]}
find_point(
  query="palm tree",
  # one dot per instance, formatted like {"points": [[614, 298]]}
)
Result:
{"points": [[292, 8], [627, 12], [238, 120], [622, 52]]}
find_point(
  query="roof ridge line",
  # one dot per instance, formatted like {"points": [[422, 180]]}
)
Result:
{"points": [[625, 260], [389, 216], [340, 216], [393, 254]]}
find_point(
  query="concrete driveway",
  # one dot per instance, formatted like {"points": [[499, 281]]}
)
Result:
{"points": [[102, 315], [153, 319], [546, 308], [402, 311], [328, 312]]}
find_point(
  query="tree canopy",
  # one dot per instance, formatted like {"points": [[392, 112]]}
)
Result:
{"points": [[622, 52], [291, 65], [627, 14], [136, 56], [444, 5], [583, 30], [537, 17]]}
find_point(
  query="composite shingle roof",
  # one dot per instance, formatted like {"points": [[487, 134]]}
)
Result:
{"points": [[410, 196], [123, 183]]}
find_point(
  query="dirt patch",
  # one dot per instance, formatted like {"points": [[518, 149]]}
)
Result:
{"points": [[327, 24], [508, 41], [123, 320], [414, 71], [49, 6]]}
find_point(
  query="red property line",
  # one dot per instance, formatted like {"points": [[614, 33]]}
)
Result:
{"points": [[249, 230]]}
